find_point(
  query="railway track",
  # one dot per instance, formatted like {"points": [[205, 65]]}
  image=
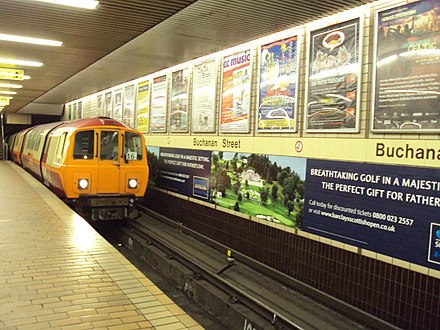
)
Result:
{"points": [[253, 299]]}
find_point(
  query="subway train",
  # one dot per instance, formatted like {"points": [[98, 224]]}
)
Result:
{"points": [[96, 165]]}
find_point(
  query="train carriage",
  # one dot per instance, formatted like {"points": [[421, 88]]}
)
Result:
{"points": [[98, 165]]}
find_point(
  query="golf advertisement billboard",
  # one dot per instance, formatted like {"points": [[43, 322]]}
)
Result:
{"points": [[392, 210], [264, 186], [388, 209], [184, 171]]}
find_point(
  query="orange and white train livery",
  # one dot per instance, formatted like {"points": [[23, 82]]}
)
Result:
{"points": [[98, 165]]}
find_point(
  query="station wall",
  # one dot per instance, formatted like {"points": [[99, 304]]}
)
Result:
{"points": [[340, 115]]}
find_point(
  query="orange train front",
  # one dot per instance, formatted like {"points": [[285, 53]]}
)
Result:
{"points": [[98, 165]]}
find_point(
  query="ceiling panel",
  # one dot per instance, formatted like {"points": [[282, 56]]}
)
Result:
{"points": [[123, 40]]}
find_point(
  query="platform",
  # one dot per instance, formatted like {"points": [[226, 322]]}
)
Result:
{"points": [[56, 271]]}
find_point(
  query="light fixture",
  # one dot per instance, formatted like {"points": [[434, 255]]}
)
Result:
{"points": [[10, 85], [8, 92], [25, 77], [132, 183], [87, 4], [20, 62], [29, 40], [83, 183]]}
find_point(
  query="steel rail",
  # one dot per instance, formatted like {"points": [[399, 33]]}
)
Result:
{"points": [[317, 295], [236, 294]]}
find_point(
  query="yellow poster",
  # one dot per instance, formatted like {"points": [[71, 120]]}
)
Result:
{"points": [[143, 106]]}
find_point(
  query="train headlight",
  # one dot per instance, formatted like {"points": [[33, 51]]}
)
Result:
{"points": [[132, 183], [83, 183]]}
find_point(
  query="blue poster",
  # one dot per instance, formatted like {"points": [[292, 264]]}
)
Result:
{"points": [[277, 90], [392, 210], [407, 71], [185, 171]]}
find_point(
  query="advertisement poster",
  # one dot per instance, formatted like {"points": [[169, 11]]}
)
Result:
{"points": [[333, 78], [204, 97], [277, 89], [99, 105], [159, 104], [69, 112], [80, 110], [179, 101], [128, 109], [236, 92], [117, 106], [74, 111], [407, 76], [143, 106], [267, 187], [185, 171], [392, 210], [108, 104]]}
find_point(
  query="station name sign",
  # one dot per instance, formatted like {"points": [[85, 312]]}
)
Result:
{"points": [[224, 143]]}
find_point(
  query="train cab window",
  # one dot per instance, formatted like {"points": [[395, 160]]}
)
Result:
{"points": [[109, 145], [133, 146], [83, 148]]}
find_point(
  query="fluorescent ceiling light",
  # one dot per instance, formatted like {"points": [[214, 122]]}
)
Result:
{"points": [[26, 77], [29, 40], [20, 62], [8, 92], [10, 85], [87, 4]]}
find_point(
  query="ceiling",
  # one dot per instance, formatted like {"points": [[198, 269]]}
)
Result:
{"points": [[125, 39]]}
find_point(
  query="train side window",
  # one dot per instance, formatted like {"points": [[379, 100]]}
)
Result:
{"points": [[30, 141], [83, 148], [60, 147], [133, 146], [38, 141], [109, 145]]}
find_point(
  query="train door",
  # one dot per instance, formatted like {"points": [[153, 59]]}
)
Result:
{"points": [[109, 162]]}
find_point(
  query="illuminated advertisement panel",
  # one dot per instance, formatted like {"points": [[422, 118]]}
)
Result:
{"points": [[204, 96], [108, 104], [179, 101], [143, 106], [333, 85], [128, 110], [99, 105], [117, 105], [158, 120], [278, 85], [236, 92], [407, 68]]}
